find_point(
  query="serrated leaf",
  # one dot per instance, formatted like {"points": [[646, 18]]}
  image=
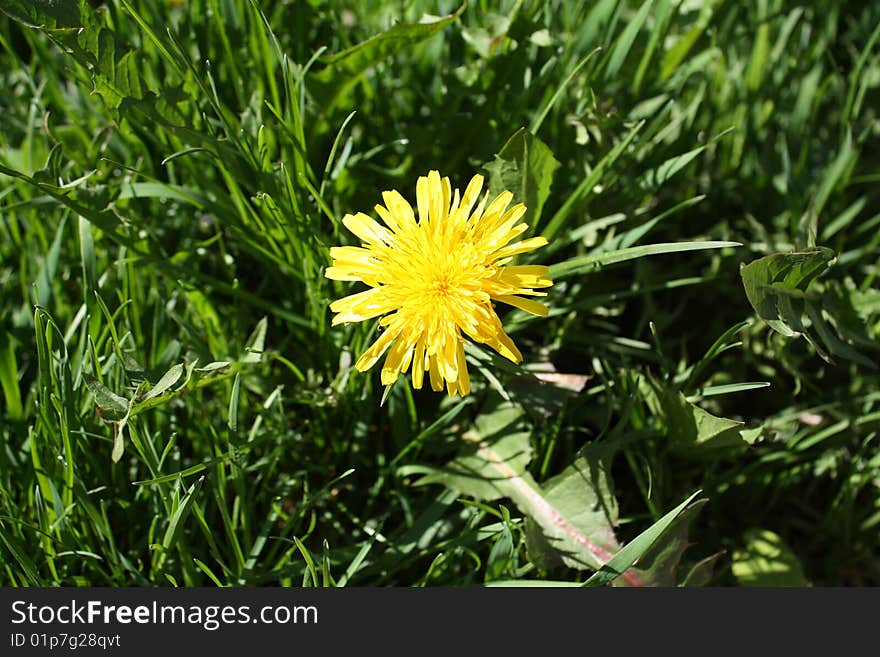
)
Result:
{"points": [[766, 560], [524, 166], [635, 549], [777, 287], [658, 566], [47, 14], [687, 425], [773, 281]]}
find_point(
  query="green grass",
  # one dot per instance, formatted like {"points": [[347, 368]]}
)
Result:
{"points": [[177, 410]]}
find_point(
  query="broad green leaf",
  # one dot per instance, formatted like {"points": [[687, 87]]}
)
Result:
{"points": [[594, 262], [777, 288], [163, 384], [46, 14], [117, 76], [765, 560], [112, 405], [583, 495], [578, 505], [771, 282], [639, 546], [525, 167], [497, 452], [686, 424]]}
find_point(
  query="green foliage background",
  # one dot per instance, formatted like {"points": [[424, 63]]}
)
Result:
{"points": [[702, 401]]}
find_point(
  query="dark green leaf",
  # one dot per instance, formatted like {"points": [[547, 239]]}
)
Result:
{"points": [[524, 166], [639, 546], [497, 452], [47, 14], [658, 566], [112, 405], [582, 496], [687, 425], [163, 384]]}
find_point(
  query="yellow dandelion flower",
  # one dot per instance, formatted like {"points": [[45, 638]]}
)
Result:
{"points": [[437, 278]]}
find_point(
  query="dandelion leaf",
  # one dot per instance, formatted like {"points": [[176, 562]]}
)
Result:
{"points": [[570, 518], [689, 427], [777, 287], [658, 566], [776, 283], [46, 14], [495, 457], [582, 497], [525, 166]]}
